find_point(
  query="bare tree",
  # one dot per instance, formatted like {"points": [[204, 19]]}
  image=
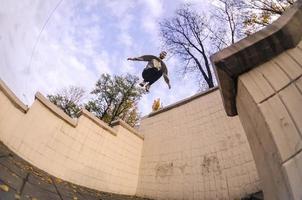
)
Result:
{"points": [[224, 12], [69, 100], [184, 35], [234, 19], [226, 25]]}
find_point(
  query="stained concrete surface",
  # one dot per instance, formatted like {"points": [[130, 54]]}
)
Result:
{"points": [[21, 180]]}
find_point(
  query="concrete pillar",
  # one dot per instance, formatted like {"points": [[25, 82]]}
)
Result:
{"points": [[260, 79]]}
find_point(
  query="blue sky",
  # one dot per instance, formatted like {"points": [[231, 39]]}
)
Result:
{"points": [[81, 40]]}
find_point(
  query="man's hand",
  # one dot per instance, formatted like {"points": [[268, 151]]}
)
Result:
{"points": [[134, 59]]}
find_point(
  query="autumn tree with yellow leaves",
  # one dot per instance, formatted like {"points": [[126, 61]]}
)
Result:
{"points": [[233, 20], [116, 97], [260, 13]]}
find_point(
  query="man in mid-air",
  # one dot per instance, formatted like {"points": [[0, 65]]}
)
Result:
{"points": [[154, 69]]}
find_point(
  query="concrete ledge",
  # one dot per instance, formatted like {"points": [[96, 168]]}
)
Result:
{"points": [[126, 126], [283, 34], [180, 103], [98, 122], [57, 111], [12, 97]]}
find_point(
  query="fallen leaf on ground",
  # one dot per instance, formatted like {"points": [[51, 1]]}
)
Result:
{"points": [[5, 188], [58, 180]]}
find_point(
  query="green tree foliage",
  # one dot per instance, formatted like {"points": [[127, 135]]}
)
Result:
{"points": [[68, 99], [116, 98]]}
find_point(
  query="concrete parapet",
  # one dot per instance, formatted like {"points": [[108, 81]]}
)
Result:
{"points": [[260, 79], [84, 151], [54, 109], [12, 97], [250, 52]]}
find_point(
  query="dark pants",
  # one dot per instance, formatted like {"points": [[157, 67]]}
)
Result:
{"points": [[151, 75]]}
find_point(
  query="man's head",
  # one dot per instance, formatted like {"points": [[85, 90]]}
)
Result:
{"points": [[162, 55]]}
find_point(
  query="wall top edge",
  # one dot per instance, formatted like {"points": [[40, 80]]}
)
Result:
{"points": [[254, 50], [57, 111], [286, 25], [97, 121], [12, 97], [181, 102], [128, 127], [73, 122]]}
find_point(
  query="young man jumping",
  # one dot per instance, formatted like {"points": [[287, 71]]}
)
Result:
{"points": [[154, 69]]}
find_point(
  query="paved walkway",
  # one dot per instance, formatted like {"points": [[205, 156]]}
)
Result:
{"points": [[21, 180]]}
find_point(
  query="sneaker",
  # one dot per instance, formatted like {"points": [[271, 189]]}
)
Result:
{"points": [[142, 84]]}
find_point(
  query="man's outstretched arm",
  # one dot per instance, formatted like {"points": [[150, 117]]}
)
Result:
{"points": [[135, 59], [142, 58], [167, 80]]}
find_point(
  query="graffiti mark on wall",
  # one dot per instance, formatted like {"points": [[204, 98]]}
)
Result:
{"points": [[164, 170], [210, 165]]}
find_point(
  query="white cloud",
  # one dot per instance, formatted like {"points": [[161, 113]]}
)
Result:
{"points": [[103, 63], [155, 7], [124, 24], [72, 51], [55, 67], [57, 58], [153, 10], [128, 67], [125, 39], [19, 31], [119, 8]]}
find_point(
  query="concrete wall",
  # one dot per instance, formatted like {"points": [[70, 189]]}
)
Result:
{"points": [[262, 82], [269, 102], [192, 150], [84, 151]]}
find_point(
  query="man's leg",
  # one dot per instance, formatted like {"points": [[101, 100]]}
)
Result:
{"points": [[147, 76], [150, 75], [147, 87], [154, 76]]}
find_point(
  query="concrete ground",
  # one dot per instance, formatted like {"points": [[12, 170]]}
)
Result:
{"points": [[21, 180]]}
